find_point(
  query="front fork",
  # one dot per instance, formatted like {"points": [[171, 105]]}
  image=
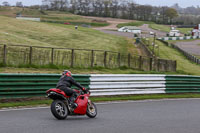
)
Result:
{"points": [[89, 102]]}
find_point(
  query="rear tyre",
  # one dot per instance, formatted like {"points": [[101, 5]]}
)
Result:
{"points": [[59, 109], [91, 110]]}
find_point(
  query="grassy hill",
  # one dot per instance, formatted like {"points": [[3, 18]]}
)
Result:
{"points": [[50, 16], [184, 66], [166, 28], [13, 31]]}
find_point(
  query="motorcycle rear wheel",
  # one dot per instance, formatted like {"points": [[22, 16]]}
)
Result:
{"points": [[59, 109], [91, 110]]}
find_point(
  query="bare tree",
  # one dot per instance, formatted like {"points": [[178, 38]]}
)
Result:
{"points": [[131, 10], [5, 3], [123, 10], [114, 8], [19, 4]]}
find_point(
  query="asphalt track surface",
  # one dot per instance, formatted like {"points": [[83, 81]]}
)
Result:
{"points": [[145, 28], [163, 116], [193, 47]]}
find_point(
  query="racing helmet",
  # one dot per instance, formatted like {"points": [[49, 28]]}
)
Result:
{"points": [[67, 73]]}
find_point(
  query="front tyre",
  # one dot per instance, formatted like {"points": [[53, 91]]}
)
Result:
{"points": [[59, 109], [91, 110]]}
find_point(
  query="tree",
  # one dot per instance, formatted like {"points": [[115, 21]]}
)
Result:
{"points": [[171, 13], [106, 4], [114, 8], [131, 10], [19, 4], [5, 3]]}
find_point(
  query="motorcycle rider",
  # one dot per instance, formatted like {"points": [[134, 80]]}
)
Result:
{"points": [[65, 83]]}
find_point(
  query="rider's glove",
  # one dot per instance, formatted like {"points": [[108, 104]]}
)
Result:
{"points": [[84, 90]]}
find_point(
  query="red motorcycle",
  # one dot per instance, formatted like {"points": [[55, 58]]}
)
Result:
{"points": [[60, 106]]}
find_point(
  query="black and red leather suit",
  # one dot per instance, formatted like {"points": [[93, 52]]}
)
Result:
{"points": [[65, 83]]}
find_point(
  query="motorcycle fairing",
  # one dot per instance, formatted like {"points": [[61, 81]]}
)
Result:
{"points": [[82, 101]]}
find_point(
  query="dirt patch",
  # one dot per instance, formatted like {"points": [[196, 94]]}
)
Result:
{"points": [[112, 21]]}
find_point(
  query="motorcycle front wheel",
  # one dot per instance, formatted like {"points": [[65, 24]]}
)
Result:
{"points": [[59, 109], [91, 110]]}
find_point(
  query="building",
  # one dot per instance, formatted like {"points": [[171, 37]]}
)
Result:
{"points": [[131, 29], [196, 31]]}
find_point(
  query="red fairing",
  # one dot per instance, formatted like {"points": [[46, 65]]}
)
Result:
{"points": [[58, 91], [82, 101]]}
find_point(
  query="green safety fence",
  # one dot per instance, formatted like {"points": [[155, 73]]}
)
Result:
{"points": [[27, 85], [182, 84]]}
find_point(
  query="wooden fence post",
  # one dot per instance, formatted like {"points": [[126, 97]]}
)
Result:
{"points": [[92, 58], [140, 63], [4, 54], [105, 56], [150, 64], [72, 58], [119, 59], [175, 65], [30, 55], [158, 65], [129, 60], [52, 55]]}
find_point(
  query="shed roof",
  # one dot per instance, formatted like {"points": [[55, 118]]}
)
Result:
{"points": [[132, 27]]}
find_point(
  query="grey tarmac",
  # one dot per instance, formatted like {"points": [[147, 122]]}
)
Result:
{"points": [[192, 47], [156, 116]]}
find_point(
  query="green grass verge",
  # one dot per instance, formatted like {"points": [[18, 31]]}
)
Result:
{"points": [[135, 23], [167, 28], [97, 70], [164, 28], [103, 99], [185, 30]]}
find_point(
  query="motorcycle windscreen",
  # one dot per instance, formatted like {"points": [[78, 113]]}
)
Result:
{"points": [[82, 105]]}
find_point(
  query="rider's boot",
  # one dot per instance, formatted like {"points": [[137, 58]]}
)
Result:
{"points": [[72, 100]]}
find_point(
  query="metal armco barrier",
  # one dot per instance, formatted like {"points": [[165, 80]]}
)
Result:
{"points": [[179, 38], [182, 84], [29, 85], [120, 84]]}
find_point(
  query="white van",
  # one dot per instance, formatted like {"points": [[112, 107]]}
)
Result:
{"points": [[174, 33]]}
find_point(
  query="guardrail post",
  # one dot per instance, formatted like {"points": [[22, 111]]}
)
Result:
{"points": [[52, 55], [4, 54], [105, 56], [72, 58], [92, 58], [30, 55], [129, 60]]}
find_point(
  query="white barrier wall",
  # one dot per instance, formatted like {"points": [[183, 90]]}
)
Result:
{"points": [[120, 84]]}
